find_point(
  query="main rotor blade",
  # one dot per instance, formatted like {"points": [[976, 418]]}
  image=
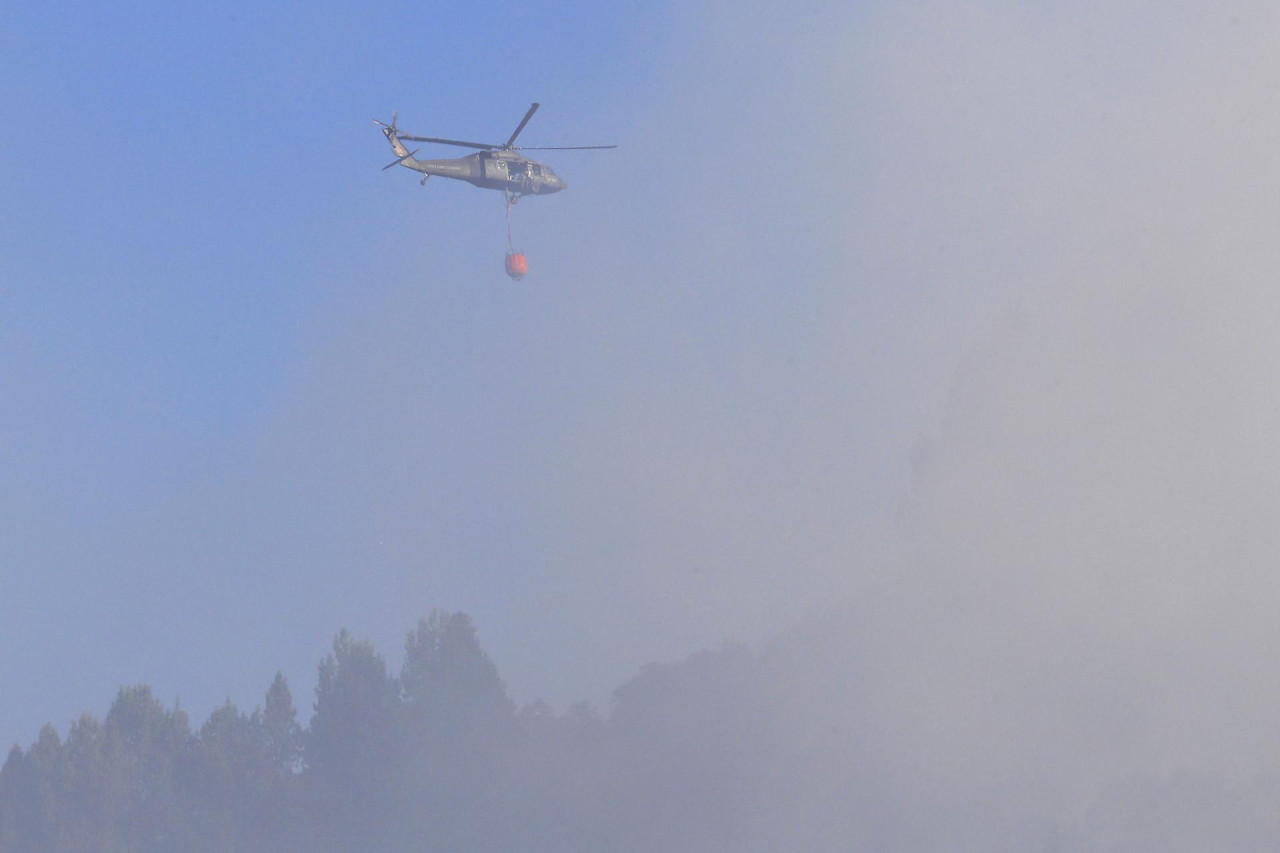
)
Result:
{"points": [[558, 147], [532, 109], [457, 142]]}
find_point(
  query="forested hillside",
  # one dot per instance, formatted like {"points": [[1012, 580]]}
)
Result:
{"points": [[434, 757], [788, 748]]}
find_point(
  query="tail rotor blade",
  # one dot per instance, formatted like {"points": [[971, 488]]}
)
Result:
{"points": [[401, 160], [391, 127]]}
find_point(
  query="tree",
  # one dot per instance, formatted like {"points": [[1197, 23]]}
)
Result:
{"points": [[221, 778], [279, 723], [28, 795], [143, 746], [446, 675], [89, 797], [352, 752], [461, 728], [685, 742]]}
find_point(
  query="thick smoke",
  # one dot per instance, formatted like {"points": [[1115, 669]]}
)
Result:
{"points": [[1074, 642], [948, 335]]}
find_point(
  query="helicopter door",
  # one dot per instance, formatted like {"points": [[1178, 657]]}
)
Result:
{"points": [[496, 169]]}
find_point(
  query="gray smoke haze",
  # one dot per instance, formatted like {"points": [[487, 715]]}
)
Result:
{"points": [[937, 341], [1038, 247], [1077, 625], [958, 322]]}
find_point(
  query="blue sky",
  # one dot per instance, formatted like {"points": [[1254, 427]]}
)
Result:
{"points": [[255, 390], [189, 193], [208, 164]]}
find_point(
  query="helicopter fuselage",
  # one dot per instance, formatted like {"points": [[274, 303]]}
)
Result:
{"points": [[498, 170], [491, 170], [494, 167]]}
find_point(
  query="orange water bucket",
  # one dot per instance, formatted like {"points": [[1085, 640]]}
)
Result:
{"points": [[517, 265]]}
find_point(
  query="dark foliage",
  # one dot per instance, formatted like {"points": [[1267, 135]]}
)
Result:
{"points": [[435, 759]]}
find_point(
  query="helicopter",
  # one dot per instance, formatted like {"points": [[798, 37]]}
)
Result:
{"points": [[493, 167]]}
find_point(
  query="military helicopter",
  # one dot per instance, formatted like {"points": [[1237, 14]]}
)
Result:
{"points": [[494, 167]]}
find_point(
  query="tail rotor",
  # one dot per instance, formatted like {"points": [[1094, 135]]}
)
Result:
{"points": [[389, 129], [392, 132], [401, 160]]}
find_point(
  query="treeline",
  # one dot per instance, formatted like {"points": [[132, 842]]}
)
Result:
{"points": [[434, 758]]}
